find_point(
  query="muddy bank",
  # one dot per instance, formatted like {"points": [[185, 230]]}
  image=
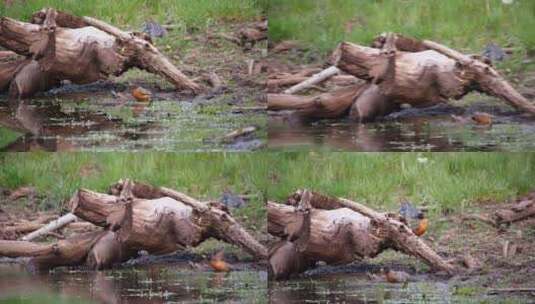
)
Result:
{"points": [[442, 127], [92, 118], [429, 129], [105, 115], [366, 282]]}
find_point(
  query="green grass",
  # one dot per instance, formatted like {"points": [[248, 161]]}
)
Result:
{"points": [[466, 25], [134, 12], [450, 181], [41, 299], [56, 176], [445, 181]]}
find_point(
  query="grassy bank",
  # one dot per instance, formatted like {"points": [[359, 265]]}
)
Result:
{"points": [[439, 180], [135, 12], [467, 25], [56, 176]]}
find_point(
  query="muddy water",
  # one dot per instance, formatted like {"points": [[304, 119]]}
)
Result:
{"points": [[357, 288], [143, 284], [432, 129], [100, 122]]}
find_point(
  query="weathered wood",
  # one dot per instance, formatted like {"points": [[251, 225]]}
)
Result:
{"points": [[315, 79], [54, 225], [424, 72], [328, 105], [488, 79], [223, 226], [338, 230], [401, 236], [79, 49], [349, 233], [15, 249], [214, 218], [148, 57], [161, 221], [520, 211], [72, 251], [68, 252], [419, 78], [161, 225]]}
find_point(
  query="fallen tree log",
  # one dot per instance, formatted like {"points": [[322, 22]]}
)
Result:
{"points": [[404, 70], [522, 210], [338, 231], [83, 51], [327, 105], [420, 76], [222, 225], [160, 221]]}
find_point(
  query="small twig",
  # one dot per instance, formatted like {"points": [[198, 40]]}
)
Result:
{"points": [[507, 290]]}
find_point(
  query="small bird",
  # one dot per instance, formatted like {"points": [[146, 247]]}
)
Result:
{"points": [[423, 223], [408, 212], [493, 52], [141, 94], [482, 118], [154, 29], [231, 200], [395, 276], [218, 264]]}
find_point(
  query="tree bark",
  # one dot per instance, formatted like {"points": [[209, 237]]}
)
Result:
{"points": [[79, 49], [425, 71], [336, 230], [327, 105], [137, 217], [520, 211], [54, 225]]}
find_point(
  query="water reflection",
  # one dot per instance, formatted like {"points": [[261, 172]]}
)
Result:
{"points": [[48, 127], [356, 288], [147, 284], [421, 132], [103, 123]]}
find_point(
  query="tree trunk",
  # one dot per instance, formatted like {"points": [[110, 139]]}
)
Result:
{"points": [[137, 217], [221, 224], [425, 71], [338, 231], [328, 105], [84, 51]]}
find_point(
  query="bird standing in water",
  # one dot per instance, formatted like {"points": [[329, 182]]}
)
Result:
{"points": [[395, 276], [141, 94], [217, 262]]}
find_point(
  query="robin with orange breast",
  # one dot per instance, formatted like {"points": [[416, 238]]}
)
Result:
{"points": [[218, 264], [423, 223], [409, 212], [141, 94], [392, 276]]}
